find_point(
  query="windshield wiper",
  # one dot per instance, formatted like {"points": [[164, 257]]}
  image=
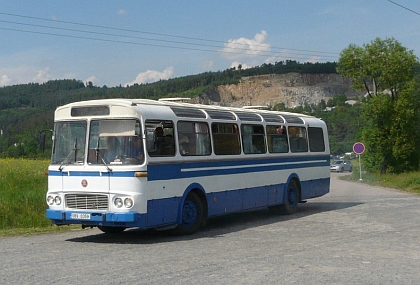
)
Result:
{"points": [[75, 149], [66, 160], [99, 154]]}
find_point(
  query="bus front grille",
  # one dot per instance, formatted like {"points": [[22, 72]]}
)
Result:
{"points": [[87, 202]]}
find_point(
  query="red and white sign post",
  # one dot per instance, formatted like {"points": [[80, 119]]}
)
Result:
{"points": [[358, 149]]}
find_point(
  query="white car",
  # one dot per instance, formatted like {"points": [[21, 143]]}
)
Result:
{"points": [[341, 165]]}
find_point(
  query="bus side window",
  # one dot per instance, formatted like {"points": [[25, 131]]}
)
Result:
{"points": [[253, 139], [193, 138], [298, 139], [316, 139], [225, 138], [277, 139], [160, 138]]}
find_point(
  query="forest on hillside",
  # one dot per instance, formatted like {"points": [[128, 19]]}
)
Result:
{"points": [[26, 109]]}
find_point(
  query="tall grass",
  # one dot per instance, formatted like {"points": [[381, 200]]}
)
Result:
{"points": [[23, 185]]}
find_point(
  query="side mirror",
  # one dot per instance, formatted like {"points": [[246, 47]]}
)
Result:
{"points": [[42, 136]]}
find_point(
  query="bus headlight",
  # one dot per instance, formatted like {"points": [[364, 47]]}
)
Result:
{"points": [[51, 200], [57, 200], [128, 202], [118, 202]]}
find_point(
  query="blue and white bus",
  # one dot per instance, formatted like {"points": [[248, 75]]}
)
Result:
{"points": [[123, 163]]}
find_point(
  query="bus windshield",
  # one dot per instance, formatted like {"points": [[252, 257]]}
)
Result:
{"points": [[115, 142], [69, 142]]}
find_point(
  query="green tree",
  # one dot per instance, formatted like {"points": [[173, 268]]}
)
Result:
{"points": [[378, 66], [406, 130], [386, 70], [279, 107]]}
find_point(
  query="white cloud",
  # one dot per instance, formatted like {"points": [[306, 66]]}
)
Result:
{"points": [[5, 80], [243, 65], [24, 74], [42, 76], [93, 79], [243, 47], [122, 12], [152, 76]]}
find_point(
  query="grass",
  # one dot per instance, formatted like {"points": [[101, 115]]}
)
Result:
{"points": [[22, 197], [409, 182], [22, 192]]}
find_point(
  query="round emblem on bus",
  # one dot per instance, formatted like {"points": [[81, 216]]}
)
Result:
{"points": [[84, 183]]}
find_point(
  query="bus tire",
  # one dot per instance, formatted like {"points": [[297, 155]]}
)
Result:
{"points": [[192, 215], [291, 199], [111, 230]]}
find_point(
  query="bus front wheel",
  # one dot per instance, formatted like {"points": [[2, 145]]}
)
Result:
{"points": [[192, 215]]}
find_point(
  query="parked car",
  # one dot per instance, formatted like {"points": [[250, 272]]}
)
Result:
{"points": [[341, 165]]}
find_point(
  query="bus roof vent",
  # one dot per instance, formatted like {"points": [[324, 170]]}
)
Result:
{"points": [[253, 117], [293, 119], [188, 112], [272, 118], [221, 115]]}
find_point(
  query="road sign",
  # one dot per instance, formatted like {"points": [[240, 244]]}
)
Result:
{"points": [[358, 148]]}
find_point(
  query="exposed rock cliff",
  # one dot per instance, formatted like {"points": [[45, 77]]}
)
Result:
{"points": [[292, 89]]}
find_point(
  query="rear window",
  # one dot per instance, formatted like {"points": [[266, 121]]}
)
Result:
{"points": [[316, 139]]}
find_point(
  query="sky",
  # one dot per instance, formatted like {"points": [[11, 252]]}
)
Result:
{"points": [[126, 42]]}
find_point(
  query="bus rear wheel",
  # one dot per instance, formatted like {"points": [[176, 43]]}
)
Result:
{"points": [[291, 202], [192, 215], [111, 230]]}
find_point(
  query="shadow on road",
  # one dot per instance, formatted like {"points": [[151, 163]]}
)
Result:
{"points": [[215, 227]]}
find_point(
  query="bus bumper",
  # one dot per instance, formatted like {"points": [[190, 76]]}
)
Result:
{"points": [[96, 219]]}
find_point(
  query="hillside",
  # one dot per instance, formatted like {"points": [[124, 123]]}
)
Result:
{"points": [[292, 89], [28, 108]]}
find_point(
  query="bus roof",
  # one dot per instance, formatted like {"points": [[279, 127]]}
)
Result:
{"points": [[132, 107]]}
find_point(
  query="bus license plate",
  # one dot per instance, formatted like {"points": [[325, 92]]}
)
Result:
{"points": [[78, 216]]}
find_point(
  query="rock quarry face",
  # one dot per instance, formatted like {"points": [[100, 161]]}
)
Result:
{"points": [[292, 89]]}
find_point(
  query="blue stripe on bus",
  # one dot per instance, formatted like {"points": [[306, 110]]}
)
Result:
{"points": [[215, 168], [91, 173], [168, 171]]}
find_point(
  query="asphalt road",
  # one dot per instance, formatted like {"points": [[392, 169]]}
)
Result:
{"points": [[357, 234]]}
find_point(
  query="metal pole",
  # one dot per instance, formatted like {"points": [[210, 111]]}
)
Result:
{"points": [[360, 167]]}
